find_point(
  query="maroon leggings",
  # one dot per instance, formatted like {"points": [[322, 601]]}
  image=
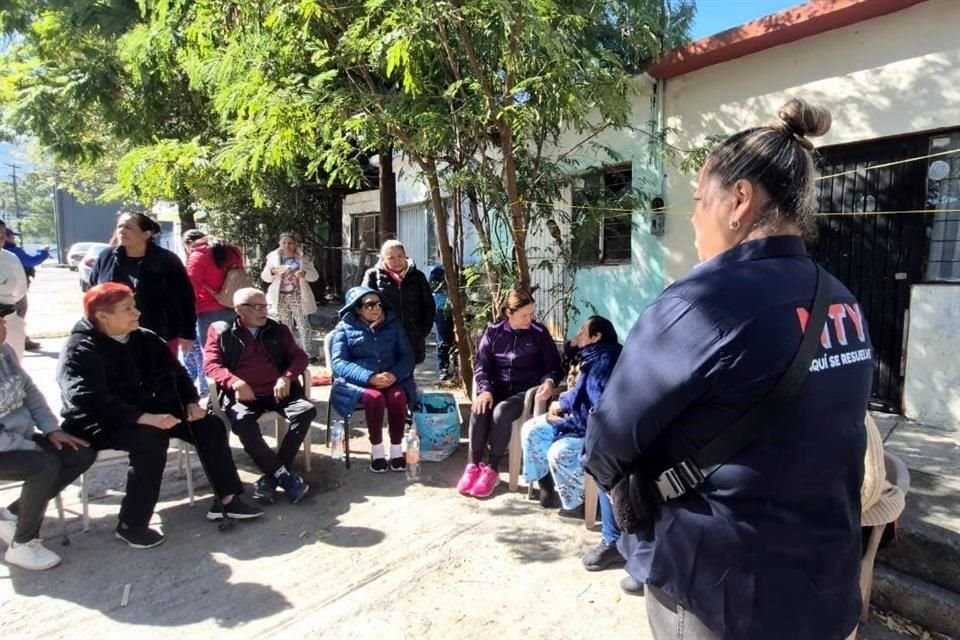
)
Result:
{"points": [[394, 400]]}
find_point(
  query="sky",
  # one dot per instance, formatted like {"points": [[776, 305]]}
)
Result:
{"points": [[714, 16]]}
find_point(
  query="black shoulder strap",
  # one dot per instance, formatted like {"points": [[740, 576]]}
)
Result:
{"points": [[677, 480]]}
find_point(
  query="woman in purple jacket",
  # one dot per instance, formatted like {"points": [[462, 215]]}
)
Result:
{"points": [[514, 355]]}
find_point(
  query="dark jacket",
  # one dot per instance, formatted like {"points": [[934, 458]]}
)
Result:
{"points": [[359, 352], [510, 362], [106, 384], [411, 300], [224, 362], [769, 545], [596, 364], [164, 294]]}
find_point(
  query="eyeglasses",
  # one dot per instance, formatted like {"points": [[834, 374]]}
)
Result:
{"points": [[254, 306], [372, 305]]}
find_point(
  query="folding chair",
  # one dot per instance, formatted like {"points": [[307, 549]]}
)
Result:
{"points": [[590, 491], [58, 501], [898, 475], [277, 418], [112, 455], [328, 361]]}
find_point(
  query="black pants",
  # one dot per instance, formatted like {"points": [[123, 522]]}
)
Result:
{"points": [[148, 446], [299, 413], [45, 474], [494, 427]]}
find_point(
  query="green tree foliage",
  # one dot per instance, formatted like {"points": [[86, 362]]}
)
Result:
{"points": [[30, 211]]}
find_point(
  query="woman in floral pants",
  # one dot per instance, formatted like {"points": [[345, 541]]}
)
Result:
{"points": [[552, 442]]}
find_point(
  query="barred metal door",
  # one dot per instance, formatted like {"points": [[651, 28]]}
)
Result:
{"points": [[877, 254]]}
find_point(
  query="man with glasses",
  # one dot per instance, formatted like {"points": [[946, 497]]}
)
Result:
{"points": [[257, 365]]}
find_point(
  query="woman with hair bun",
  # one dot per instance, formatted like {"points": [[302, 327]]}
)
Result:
{"points": [[768, 544], [157, 277]]}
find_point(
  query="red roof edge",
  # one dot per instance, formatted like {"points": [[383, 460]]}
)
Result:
{"points": [[789, 25]]}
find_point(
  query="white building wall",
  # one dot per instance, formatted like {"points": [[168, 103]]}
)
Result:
{"points": [[894, 75]]}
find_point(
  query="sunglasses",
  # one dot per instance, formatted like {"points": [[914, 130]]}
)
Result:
{"points": [[254, 306], [371, 305]]}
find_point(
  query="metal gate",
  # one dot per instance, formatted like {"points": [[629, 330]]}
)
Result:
{"points": [[877, 254]]}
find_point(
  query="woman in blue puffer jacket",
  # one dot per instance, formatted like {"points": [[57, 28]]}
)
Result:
{"points": [[372, 364]]}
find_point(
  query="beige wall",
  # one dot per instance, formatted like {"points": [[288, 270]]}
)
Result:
{"points": [[888, 76]]}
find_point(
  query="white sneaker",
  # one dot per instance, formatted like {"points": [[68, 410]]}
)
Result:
{"points": [[8, 529], [31, 555]]}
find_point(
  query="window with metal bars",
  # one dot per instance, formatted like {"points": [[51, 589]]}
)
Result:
{"points": [[943, 195], [602, 237]]}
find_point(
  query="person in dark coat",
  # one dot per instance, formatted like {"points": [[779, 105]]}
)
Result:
{"points": [[372, 364], [123, 389], [407, 292], [443, 320], [515, 355], [769, 544], [157, 277]]}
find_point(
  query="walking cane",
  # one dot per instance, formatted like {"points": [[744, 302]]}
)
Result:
{"points": [[228, 523]]}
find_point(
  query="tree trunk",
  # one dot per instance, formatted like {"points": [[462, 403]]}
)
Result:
{"points": [[452, 276], [388, 197], [187, 220], [518, 224], [483, 234]]}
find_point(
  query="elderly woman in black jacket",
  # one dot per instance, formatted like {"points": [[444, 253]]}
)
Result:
{"points": [[406, 291], [122, 389], [158, 279]]}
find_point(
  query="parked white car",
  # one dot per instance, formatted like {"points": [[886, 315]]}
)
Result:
{"points": [[85, 265], [76, 251]]}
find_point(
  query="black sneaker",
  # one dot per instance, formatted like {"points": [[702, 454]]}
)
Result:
{"points": [[31, 345], [631, 587], [294, 486], [398, 464], [265, 489], [577, 512], [602, 556], [378, 465], [139, 537], [238, 509], [548, 493]]}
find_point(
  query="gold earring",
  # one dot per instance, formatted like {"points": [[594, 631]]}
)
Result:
{"points": [[734, 225]]}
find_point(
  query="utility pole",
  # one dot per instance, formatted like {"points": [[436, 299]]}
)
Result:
{"points": [[16, 201]]}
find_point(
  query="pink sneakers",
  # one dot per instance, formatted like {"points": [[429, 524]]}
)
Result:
{"points": [[486, 483], [468, 479]]}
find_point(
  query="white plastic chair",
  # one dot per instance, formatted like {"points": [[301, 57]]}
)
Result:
{"points": [[270, 417], [106, 456]]}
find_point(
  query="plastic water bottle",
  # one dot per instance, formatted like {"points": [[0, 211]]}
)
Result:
{"points": [[336, 440], [412, 442]]}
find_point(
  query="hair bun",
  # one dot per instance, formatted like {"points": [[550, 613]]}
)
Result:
{"points": [[804, 119]]}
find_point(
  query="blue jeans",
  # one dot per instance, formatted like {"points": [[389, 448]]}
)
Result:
{"points": [[609, 531]]}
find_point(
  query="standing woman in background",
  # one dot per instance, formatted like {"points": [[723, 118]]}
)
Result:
{"points": [[289, 271], [159, 280], [408, 293], [208, 262]]}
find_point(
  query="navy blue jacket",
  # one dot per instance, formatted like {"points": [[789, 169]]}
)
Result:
{"points": [[769, 546], [164, 294], [511, 361], [358, 352], [596, 364]]}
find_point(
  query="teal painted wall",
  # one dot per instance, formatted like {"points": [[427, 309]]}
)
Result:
{"points": [[621, 292]]}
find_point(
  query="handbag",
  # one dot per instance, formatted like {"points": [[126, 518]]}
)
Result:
{"points": [[237, 278], [637, 496]]}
